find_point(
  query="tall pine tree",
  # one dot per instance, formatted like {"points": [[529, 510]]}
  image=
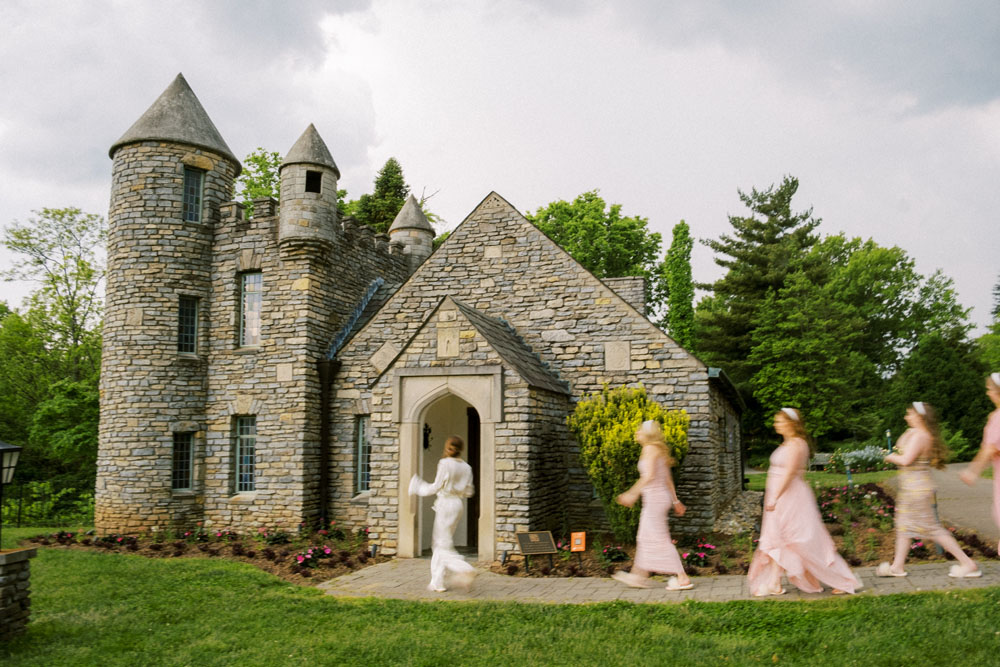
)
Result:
{"points": [[379, 209], [680, 293]]}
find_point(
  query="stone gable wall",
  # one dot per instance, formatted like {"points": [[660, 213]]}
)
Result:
{"points": [[500, 264]]}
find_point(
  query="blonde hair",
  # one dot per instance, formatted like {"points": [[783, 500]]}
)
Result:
{"points": [[939, 451], [650, 433], [453, 446]]}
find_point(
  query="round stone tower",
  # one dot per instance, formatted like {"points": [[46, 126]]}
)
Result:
{"points": [[171, 170], [412, 230], [309, 178]]}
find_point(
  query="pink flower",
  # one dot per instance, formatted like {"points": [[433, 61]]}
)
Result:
{"points": [[701, 554], [299, 558], [322, 532], [684, 555]]}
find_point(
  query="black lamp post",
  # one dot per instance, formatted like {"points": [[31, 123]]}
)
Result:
{"points": [[8, 461]]}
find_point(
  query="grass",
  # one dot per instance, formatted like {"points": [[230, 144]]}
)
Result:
{"points": [[115, 609], [825, 479]]}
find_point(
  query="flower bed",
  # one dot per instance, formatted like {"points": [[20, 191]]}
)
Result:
{"points": [[309, 557]]}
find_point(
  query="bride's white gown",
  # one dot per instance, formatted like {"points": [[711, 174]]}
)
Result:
{"points": [[452, 484]]}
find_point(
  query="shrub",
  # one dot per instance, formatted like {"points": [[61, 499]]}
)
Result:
{"points": [[959, 447], [604, 425]]}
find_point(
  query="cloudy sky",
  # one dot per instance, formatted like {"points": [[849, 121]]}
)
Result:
{"points": [[887, 112]]}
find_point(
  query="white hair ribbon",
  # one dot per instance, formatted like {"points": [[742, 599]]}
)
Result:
{"points": [[919, 407], [996, 378], [792, 413]]}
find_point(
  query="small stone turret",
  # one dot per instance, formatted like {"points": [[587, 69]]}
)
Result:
{"points": [[412, 230], [308, 208]]}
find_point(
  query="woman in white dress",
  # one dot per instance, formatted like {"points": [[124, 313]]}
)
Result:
{"points": [[452, 485]]}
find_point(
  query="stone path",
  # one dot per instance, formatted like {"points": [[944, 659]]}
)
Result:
{"points": [[406, 579]]}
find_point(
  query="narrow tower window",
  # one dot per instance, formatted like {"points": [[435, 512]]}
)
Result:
{"points": [[183, 461], [192, 194], [314, 181], [187, 324], [246, 453], [250, 306], [363, 455]]}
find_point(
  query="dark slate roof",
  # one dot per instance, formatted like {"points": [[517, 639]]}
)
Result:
{"points": [[311, 149], [511, 347], [177, 116], [411, 217], [366, 308]]}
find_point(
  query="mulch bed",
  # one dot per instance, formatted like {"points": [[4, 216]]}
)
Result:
{"points": [[281, 560]]}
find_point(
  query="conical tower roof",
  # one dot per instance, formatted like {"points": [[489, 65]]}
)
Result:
{"points": [[177, 116], [311, 149], [411, 217]]}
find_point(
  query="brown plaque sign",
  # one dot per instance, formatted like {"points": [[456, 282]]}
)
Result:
{"points": [[536, 542]]}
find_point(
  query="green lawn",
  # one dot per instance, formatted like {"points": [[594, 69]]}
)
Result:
{"points": [[92, 608], [824, 479]]}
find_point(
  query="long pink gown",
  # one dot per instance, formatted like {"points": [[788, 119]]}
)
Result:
{"points": [[793, 538], [991, 438], [655, 552]]}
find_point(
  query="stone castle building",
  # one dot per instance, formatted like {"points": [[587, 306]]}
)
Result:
{"points": [[268, 369]]}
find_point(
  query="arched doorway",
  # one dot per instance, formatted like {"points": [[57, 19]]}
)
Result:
{"points": [[415, 392], [449, 415]]}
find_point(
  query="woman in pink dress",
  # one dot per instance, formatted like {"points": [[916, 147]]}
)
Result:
{"points": [[793, 539], [655, 551], [921, 449], [990, 449]]}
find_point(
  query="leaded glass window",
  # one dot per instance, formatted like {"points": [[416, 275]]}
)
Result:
{"points": [[187, 324], [246, 448], [192, 194], [183, 465], [363, 452], [250, 306]]}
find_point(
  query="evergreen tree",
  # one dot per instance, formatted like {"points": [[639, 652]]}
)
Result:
{"points": [[379, 209], [995, 312], [259, 177], [763, 249], [680, 293]]}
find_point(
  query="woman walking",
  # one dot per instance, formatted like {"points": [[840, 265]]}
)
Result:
{"points": [[921, 448], [990, 448], [452, 484], [793, 539], [655, 551]]}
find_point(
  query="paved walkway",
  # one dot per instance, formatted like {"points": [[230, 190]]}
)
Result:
{"points": [[406, 579]]}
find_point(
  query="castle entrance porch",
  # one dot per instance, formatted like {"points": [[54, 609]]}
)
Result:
{"points": [[429, 404]]}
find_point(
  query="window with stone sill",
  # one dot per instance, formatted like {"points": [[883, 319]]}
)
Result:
{"points": [[251, 286], [362, 454], [193, 179], [245, 446]]}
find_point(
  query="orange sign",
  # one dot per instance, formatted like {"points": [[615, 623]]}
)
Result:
{"points": [[578, 541]]}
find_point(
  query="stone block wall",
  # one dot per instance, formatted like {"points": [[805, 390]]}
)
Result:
{"points": [[502, 265], [15, 591], [150, 391]]}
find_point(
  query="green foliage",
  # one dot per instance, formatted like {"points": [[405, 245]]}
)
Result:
{"points": [[763, 249], [604, 242], [960, 448], [805, 350], [604, 425], [947, 374], [680, 293], [867, 459], [988, 350], [440, 238], [259, 177], [40, 503], [379, 209], [65, 425]]}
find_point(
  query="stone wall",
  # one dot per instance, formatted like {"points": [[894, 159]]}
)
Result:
{"points": [[632, 289], [150, 391], [15, 591], [499, 263]]}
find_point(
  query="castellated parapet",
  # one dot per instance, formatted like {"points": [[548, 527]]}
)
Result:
{"points": [[173, 234]]}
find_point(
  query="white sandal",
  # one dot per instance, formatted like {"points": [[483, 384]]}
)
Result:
{"points": [[957, 572], [885, 570]]}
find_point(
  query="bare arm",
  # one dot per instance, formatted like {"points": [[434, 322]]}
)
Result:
{"points": [[629, 497], [678, 506], [987, 450]]}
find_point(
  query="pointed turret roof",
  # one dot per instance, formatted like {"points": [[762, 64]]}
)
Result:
{"points": [[311, 149], [177, 116], [411, 217]]}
